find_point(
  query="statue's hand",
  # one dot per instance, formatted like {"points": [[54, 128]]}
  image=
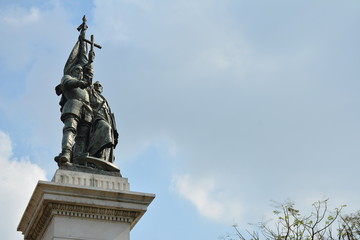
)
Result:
{"points": [[82, 84], [91, 56]]}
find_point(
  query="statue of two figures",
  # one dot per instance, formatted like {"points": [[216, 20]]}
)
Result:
{"points": [[89, 133]]}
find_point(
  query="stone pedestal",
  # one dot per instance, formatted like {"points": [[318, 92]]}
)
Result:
{"points": [[80, 205]]}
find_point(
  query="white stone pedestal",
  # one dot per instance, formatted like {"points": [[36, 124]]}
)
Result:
{"points": [[79, 205]]}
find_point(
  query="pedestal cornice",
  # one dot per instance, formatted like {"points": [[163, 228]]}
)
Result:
{"points": [[55, 199]]}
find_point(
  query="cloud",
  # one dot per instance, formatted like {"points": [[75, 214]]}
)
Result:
{"points": [[250, 102], [207, 198], [252, 107], [15, 22], [17, 16], [34, 53], [18, 178]]}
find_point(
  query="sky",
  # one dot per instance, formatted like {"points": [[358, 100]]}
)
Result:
{"points": [[222, 106]]}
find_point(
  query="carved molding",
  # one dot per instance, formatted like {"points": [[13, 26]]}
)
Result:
{"points": [[71, 210]]}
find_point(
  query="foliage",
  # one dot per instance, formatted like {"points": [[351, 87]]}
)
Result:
{"points": [[350, 227], [320, 224]]}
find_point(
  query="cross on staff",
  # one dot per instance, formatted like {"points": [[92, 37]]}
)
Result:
{"points": [[92, 43]]}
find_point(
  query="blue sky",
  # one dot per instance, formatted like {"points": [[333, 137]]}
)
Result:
{"points": [[222, 106]]}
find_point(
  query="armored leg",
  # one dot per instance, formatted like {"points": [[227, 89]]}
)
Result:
{"points": [[81, 140], [68, 140]]}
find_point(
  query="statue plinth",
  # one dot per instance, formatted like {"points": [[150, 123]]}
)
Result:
{"points": [[80, 205]]}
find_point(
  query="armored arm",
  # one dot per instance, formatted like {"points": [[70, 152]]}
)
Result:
{"points": [[71, 82]]}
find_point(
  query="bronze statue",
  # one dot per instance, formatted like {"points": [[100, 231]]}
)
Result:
{"points": [[89, 133]]}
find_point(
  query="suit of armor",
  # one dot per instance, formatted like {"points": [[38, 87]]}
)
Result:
{"points": [[76, 115]]}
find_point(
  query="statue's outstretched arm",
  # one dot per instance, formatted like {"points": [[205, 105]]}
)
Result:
{"points": [[70, 82]]}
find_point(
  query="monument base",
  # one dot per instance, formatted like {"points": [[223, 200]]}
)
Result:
{"points": [[80, 205]]}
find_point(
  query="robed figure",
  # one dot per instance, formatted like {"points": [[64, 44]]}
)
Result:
{"points": [[103, 134]]}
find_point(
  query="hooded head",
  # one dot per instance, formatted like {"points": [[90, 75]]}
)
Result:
{"points": [[98, 87], [77, 71]]}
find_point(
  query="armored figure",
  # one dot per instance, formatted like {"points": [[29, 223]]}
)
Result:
{"points": [[76, 115]]}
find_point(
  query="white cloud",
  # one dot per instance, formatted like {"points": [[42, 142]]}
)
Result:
{"points": [[18, 15], [18, 180], [209, 201]]}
